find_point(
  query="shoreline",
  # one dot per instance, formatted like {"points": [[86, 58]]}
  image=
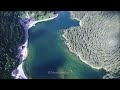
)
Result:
{"points": [[67, 44], [44, 20], [80, 22], [23, 50]]}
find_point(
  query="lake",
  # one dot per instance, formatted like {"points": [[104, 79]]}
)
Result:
{"points": [[49, 57]]}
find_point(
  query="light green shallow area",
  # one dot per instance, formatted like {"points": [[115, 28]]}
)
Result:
{"points": [[49, 57]]}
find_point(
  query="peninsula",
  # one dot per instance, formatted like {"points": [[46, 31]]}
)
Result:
{"points": [[97, 40]]}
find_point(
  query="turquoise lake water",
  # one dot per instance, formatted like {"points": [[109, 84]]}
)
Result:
{"points": [[49, 57]]}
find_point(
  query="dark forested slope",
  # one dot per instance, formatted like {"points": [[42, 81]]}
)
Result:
{"points": [[11, 36]]}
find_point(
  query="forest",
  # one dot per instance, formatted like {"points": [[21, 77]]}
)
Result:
{"points": [[37, 15], [97, 40], [11, 36]]}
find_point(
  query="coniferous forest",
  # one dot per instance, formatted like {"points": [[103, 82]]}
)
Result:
{"points": [[11, 36]]}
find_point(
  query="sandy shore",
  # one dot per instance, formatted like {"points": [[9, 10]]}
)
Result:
{"points": [[23, 52], [34, 22]]}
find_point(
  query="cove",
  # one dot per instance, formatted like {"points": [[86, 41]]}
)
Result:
{"points": [[49, 57]]}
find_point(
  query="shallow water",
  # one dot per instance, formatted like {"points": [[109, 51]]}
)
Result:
{"points": [[49, 57]]}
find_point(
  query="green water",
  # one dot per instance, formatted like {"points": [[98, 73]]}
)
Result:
{"points": [[49, 57]]}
